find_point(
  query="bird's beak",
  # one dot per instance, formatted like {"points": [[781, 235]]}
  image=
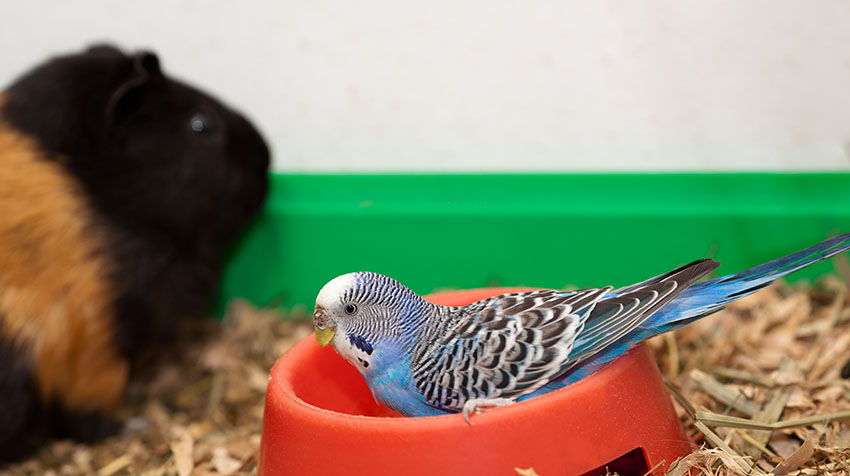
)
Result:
{"points": [[324, 331], [325, 336]]}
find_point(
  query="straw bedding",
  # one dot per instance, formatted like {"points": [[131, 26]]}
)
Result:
{"points": [[758, 385]]}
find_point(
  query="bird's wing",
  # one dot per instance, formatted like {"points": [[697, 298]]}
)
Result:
{"points": [[615, 316], [502, 347], [511, 345]]}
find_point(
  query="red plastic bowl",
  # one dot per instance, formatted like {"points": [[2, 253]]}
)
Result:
{"points": [[321, 419]]}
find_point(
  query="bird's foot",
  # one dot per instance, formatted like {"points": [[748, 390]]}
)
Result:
{"points": [[480, 404]]}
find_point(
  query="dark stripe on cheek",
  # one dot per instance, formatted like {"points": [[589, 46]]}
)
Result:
{"points": [[360, 343]]}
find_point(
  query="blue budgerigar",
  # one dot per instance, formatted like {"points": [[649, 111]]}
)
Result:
{"points": [[420, 358]]}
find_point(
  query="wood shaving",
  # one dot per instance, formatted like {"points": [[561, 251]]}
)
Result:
{"points": [[198, 410], [526, 472], [779, 352]]}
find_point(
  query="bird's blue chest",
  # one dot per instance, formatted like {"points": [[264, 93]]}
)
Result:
{"points": [[393, 386]]}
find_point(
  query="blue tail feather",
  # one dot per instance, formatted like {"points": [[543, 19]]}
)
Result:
{"points": [[710, 296], [700, 300]]}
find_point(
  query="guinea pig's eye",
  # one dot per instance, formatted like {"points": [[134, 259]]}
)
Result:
{"points": [[199, 123], [350, 308]]}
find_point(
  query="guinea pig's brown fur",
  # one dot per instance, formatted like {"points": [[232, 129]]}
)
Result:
{"points": [[55, 298], [120, 191]]}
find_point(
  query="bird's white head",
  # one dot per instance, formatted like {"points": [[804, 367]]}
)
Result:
{"points": [[359, 312], [327, 303]]}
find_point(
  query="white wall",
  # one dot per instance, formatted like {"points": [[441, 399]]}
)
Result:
{"points": [[374, 85]]}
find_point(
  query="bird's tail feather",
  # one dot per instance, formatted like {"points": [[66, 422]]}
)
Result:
{"points": [[703, 299], [710, 296]]}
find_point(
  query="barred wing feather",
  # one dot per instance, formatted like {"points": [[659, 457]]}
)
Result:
{"points": [[502, 347], [511, 345]]}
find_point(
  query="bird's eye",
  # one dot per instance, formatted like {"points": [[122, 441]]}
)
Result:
{"points": [[350, 308], [198, 123]]}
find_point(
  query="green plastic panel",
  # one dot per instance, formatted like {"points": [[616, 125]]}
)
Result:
{"points": [[462, 231]]}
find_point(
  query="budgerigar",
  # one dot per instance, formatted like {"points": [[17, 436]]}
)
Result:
{"points": [[420, 358]]}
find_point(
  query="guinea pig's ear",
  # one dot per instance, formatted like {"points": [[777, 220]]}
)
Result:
{"points": [[125, 98], [146, 62]]}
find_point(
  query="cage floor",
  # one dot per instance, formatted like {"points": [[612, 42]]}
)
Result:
{"points": [[776, 355]]}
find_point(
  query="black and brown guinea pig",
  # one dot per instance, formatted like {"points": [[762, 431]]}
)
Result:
{"points": [[120, 190]]}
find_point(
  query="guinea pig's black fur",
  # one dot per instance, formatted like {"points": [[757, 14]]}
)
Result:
{"points": [[120, 191]]}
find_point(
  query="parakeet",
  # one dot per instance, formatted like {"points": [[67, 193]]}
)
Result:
{"points": [[420, 358]]}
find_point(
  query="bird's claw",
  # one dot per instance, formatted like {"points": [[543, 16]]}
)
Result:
{"points": [[476, 405]]}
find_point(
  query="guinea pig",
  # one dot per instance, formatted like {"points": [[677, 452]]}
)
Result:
{"points": [[120, 191]]}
